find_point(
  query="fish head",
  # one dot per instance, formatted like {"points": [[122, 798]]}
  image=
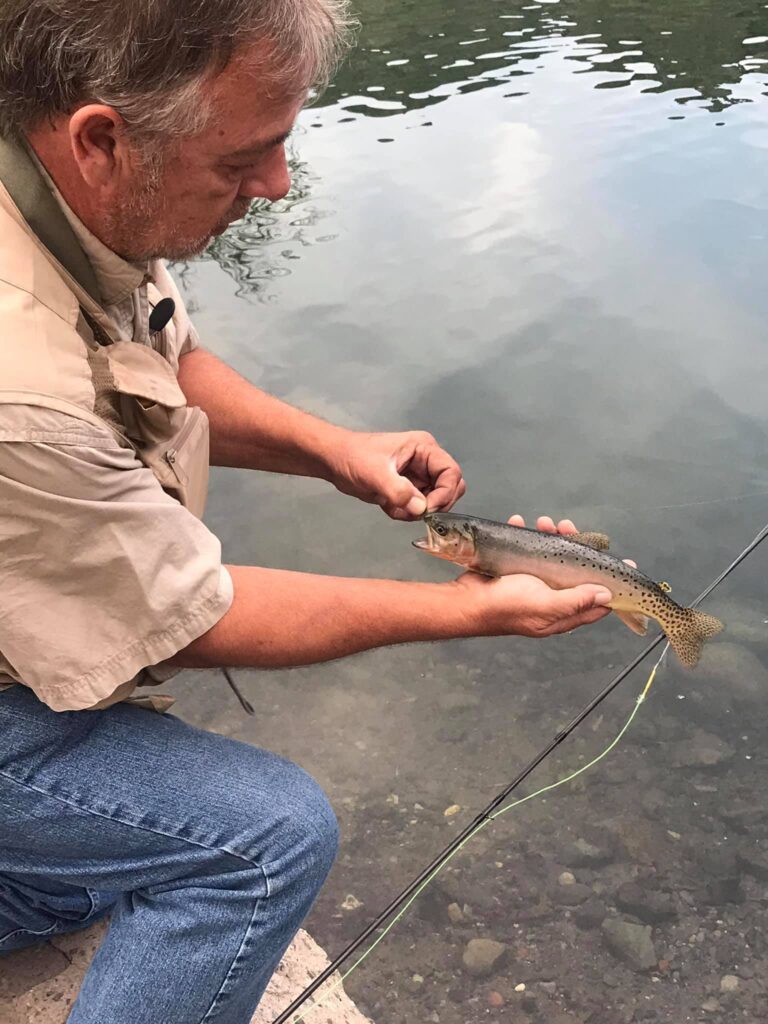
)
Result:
{"points": [[449, 536]]}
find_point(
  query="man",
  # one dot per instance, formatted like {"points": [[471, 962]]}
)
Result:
{"points": [[134, 130]]}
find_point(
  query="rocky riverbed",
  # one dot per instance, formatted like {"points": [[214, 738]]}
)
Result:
{"points": [[637, 892]]}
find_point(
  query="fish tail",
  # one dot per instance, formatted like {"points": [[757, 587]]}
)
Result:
{"points": [[688, 630]]}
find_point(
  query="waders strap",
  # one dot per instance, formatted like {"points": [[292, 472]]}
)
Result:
{"points": [[43, 214]]}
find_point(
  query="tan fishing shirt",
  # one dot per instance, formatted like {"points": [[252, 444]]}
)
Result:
{"points": [[105, 575]]}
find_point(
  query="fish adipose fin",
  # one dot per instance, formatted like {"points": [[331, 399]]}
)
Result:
{"points": [[688, 632], [636, 621], [599, 541]]}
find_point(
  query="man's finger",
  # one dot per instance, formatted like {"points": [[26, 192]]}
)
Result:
{"points": [[582, 619], [439, 471], [576, 600], [516, 520], [546, 523], [447, 490], [398, 493]]}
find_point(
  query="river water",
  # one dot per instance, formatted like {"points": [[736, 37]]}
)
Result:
{"points": [[537, 230]]}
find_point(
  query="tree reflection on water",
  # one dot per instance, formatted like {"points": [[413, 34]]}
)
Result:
{"points": [[412, 55]]}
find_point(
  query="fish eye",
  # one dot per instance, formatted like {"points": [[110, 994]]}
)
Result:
{"points": [[439, 528]]}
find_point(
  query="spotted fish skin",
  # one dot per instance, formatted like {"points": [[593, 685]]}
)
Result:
{"points": [[500, 549]]}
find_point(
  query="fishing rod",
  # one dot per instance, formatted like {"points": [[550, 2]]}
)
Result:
{"points": [[485, 815]]}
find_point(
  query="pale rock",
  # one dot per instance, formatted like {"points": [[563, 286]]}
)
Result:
{"points": [[455, 914], [631, 943], [46, 997], [729, 983], [481, 956]]}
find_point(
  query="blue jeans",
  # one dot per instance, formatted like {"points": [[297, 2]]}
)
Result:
{"points": [[207, 853]]}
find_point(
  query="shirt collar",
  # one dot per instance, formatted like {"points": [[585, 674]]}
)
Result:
{"points": [[117, 278]]}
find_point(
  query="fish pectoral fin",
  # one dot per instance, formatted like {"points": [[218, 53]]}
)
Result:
{"points": [[599, 541], [636, 621]]}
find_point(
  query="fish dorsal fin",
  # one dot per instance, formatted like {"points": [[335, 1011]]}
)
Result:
{"points": [[663, 585], [599, 541]]}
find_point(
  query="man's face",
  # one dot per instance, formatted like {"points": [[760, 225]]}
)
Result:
{"points": [[202, 184]]}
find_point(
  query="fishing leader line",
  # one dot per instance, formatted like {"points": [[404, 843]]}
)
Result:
{"points": [[497, 807]]}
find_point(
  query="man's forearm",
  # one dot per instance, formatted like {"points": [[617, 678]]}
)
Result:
{"points": [[280, 619], [249, 428]]}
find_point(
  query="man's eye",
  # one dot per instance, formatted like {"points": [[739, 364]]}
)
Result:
{"points": [[237, 170]]}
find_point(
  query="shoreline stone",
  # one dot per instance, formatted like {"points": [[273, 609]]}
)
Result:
{"points": [[631, 943], [40, 984]]}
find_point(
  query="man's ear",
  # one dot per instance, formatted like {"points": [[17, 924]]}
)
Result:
{"points": [[97, 137]]}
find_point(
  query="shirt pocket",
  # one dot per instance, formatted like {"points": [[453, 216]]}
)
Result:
{"points": [[181, 462], [170, 437]]}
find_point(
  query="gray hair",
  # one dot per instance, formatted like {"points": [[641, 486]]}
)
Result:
{"points": [[150, 59]]}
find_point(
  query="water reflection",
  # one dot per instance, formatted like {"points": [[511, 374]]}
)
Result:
{"points": [[416, 54], [260, 247], [412, 56]]}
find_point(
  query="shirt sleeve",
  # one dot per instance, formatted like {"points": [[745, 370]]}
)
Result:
{"points": [[104, 574]]}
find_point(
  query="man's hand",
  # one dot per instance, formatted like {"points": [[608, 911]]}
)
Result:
{"points": [[521, 605], [405, 474]]}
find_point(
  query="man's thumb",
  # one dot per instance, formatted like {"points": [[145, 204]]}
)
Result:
{"points": [[401, 494], [588, 595]]}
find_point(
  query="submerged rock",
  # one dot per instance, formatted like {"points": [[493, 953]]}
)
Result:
{"points": [[744, 813], [721, 872], [572, 895], [728, 889], [590, 914], [651, 907], [702, 750], [735, 669], [583, 854], [754, 861], [631, 943], [481, 956]]}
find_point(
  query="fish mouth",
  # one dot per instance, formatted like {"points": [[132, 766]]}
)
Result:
{"points": [[423, 544]]}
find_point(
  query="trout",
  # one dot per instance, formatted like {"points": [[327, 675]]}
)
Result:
{"points": [[498, 549]]}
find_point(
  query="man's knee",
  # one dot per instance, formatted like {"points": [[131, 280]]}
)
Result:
{"points": [[281, 816], [311, 831]]}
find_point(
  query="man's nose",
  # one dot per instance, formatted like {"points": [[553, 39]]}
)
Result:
{"points": [[271, 181]]}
